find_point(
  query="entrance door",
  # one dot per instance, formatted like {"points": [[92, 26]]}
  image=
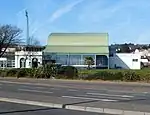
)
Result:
{"points": [[34, 62]]}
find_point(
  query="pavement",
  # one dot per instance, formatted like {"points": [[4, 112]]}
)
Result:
{"points": [[21, 109], [100, 97]]}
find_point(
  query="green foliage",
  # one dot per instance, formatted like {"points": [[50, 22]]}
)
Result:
{"points": [[67, 72], [89, 61], [124, 48], [22, 73], [11, 72], [119, 75]]}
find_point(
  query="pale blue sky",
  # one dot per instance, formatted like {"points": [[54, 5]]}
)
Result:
{"points": [[124, 20]]}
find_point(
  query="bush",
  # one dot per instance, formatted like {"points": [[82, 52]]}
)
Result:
{"points": [[121, 75], [11, 72], [3, 73], [130, 76], [22, 73], [67, 72]]}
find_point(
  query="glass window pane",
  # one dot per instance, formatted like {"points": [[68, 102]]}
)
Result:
{"points": [[75, 59], [62, 59], [101, 60]]}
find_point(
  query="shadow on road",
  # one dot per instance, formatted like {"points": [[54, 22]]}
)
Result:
{"points": [[27, 110]]}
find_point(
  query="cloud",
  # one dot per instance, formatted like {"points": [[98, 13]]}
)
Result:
{"points": [[60, 12]]}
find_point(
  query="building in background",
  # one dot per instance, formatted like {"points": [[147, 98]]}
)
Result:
{"points": [[125, 61], [72, 48], [22, 56], [28, 56]]}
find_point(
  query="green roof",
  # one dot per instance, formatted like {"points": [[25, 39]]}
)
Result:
{"points": [[77, 43]]}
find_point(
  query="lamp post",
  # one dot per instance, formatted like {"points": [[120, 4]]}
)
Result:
{"points": [[28, 57], [27, 19]]}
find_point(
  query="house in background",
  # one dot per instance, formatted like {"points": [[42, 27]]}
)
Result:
{"points": [[22, 56], [125, 61], [28, 56], [72, 48]]}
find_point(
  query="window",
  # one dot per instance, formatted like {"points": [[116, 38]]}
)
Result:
{"points": [[135, 60], [62, 59], [101, 60], [75, 59]]}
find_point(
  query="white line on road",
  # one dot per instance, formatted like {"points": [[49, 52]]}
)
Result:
{"points": [[72, 90], [124, 96], [27, 102], [32, 87], [37, 91], [98, 96], [55, 88], [105, 100]]}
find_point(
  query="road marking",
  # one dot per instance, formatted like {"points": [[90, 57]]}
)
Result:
{"points": [[124, 96], [105, 100], [27, 102], [55, 88], [37, 91], [72, 90], [31, 87], [97, 96]]}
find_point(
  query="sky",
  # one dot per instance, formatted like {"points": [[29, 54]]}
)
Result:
{"points": [[126, 21]]}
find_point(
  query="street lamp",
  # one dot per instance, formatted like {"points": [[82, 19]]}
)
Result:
{"points": [[27, 18], [28, 56]]}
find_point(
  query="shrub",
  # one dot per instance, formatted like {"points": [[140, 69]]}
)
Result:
{"points": [[3, 73], [130, 76], [22, 73], [121, 75], [11, 72], [67, 72], [49, 70]]}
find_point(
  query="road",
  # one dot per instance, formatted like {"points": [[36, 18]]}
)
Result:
{"points": [[131, 97], [20, 109]]}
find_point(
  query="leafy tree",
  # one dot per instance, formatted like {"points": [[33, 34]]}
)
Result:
{"points": [[9, 35], [89, 61], [125, 48], [145, 47]]}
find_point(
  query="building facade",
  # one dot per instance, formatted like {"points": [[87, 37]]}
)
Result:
{"points": [[72, 48], [125, 61]]}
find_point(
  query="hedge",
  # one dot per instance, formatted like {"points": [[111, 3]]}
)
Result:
{"points": [[119, 75], [68, 72]]}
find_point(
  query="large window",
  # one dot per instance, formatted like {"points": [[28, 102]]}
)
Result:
{"points": [[62, 59], [101, 60], [75, 59]]}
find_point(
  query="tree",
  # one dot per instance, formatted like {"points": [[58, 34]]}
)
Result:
{"points": [[125, 48], [34, 41], [9, 35], [89, 61], [145, 47]]}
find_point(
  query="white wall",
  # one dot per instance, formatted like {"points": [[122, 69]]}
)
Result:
{"points": [[125, 61], [25, 55]]}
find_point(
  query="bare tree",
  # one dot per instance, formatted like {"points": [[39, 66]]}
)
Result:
{"points": [[34, 41], [9, 35]]}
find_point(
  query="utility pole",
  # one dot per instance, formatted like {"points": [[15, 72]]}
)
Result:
{"points": [[27, 18], [28, 42]]}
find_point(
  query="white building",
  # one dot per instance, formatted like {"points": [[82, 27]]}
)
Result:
{"points": [[28, 59], [125, 61], [22, 57]]}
